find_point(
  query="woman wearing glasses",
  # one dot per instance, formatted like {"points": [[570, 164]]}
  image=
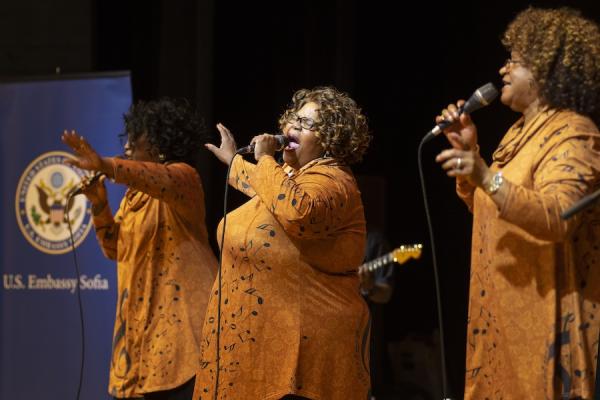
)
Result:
{"points": [[165, 267], [534, 309], [293, 323]]}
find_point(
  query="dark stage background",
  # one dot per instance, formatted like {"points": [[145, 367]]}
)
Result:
{"points": [[240, 62]]}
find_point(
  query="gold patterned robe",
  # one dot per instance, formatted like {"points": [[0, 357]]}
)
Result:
{"points": [[535, 279], [292, 318], [165, 269]]}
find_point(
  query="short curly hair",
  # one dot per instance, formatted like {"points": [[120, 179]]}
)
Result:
{"points": [[562, 50], [172, 127], [342, 131]]}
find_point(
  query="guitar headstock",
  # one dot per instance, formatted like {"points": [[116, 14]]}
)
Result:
{"points": [[404, 253]]}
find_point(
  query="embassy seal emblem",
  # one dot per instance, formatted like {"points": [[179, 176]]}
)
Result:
{"points": [[41, 204]]}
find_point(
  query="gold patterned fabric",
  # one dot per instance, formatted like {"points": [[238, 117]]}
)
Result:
{"points": [[165, 269], [535, 279], [292, 318]]}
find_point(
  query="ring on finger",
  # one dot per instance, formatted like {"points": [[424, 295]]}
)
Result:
{"points": [[458, 163]]}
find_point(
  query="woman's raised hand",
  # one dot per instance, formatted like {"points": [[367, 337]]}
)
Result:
{"points": [[85, 156], [226, 151]]}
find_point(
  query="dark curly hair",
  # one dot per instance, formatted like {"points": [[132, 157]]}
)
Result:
{"points": [[562, 50], [342, 130], [172, 127]]}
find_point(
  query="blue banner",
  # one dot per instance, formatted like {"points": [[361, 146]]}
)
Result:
{"points": [[40, 333]]}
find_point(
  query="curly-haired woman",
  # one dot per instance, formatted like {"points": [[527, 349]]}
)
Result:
{"points": [[165, 267], [534, 309], [293, 323]]}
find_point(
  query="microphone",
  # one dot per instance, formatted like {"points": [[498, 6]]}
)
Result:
{"points": [[480, 98], [581, 205], [93, 179], [281, 140]]}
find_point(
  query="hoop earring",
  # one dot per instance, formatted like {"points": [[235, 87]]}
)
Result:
{"points": [[161, 157]]}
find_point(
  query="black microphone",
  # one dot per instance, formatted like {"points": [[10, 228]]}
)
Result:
{"points": [[281, 140], [480, 98], [93, 179], [581, 205]]}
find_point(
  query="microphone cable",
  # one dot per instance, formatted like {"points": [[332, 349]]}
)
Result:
{"points": [[283, 141], [78, 291], [438, 293], [70, 197], [482, 97], [219, 277]]}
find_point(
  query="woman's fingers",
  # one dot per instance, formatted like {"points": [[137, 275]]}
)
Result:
{"points": [[76, 142], [223, 153], [223, 131], [226, 134], [451, 113], [227, 139], [211, 147], [453, 110], [456, 140], [75, 162], [68, 139], [447, 116], [457, 162], [449, 164], [447, 154], [454, 159]]}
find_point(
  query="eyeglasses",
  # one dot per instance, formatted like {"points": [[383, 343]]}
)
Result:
{"points": [[509, 63], [305, 123]]}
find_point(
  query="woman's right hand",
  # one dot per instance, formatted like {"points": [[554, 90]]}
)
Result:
{"points": [[95, 191], [462, 133], [226, 151]]}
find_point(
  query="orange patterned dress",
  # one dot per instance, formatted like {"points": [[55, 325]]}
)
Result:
{"points": [[292, 318], [534, 309], [165, 269]]}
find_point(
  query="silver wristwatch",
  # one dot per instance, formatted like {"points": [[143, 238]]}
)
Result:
{"points": [[494, 183]]}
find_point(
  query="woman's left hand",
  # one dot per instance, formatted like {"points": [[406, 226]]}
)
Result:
{"points": [[85, 156], [466, 164], [264, 145]]}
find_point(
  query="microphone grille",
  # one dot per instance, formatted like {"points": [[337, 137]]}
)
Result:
{"points": [[488, 92], [481, 98], [283, 140]]}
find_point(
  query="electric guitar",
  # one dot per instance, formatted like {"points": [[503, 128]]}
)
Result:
{"points": [[399, 255]]}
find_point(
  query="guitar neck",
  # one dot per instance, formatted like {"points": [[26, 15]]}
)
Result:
{"points": [[377, 263], [399, 255]]}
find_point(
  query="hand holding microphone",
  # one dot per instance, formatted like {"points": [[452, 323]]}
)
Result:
{"points": [[87, 183], [463, 160], [480, 98], [265, 144], [458, 126], [93, 188]]}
